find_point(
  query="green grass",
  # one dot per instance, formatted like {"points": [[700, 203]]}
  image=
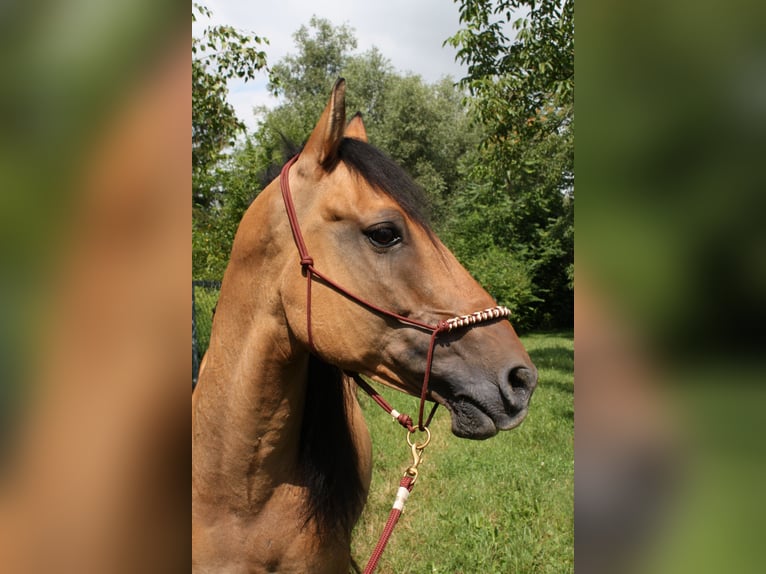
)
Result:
{"points": [[504, 505]]}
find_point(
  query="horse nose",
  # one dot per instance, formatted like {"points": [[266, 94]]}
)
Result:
{"points": [[518, 385]]}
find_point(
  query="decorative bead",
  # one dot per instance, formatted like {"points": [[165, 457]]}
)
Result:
{"points": [[477, 317]]}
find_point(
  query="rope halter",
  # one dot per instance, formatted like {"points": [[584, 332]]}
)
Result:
{"points": [[444, 326]]}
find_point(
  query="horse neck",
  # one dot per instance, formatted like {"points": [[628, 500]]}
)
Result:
{"points": [[249, 401], [255, 442]]}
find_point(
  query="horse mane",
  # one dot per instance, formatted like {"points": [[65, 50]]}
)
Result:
{"points": [[328, 459], [374, 167], [383, 173]]}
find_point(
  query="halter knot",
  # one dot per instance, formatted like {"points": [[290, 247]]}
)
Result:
{"points": [[442, 326], [406, 422], [307, 261]]}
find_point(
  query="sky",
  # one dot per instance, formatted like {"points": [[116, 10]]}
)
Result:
{"points": [[410, 33]]}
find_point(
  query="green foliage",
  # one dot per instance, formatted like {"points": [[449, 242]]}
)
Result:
{"points": [[426, 130], [322, 54], [522, 93], [523, 86], [304, 79], [221, 183], [205, 301], [500, 187], [221, 54], [234, 180], [476, 232], [423, 127]]}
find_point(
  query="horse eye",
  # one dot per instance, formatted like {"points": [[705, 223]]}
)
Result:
{"points": [[384, 236]]}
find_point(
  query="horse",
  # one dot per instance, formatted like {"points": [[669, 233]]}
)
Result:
{"points": [[334, 271]]}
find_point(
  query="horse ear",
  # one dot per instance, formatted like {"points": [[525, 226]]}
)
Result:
{"points": [[323, 143], [355, 128]]}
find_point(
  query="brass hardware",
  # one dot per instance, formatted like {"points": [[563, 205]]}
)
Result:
{"points": [[417, 453]]}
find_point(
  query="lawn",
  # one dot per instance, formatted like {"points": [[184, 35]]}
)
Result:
{"points": [[504, 505]]}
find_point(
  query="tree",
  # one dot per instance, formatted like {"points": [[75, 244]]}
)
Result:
{"points": [[522, 93], [221, 54], [510, 246], [322, 54], [423, 127], [236, 178]]}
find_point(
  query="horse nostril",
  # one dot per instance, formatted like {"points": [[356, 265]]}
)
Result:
{"points": [[523, 380]]}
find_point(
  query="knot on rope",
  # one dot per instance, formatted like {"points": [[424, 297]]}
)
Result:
{"points": [[307, 261], [406, 422]]}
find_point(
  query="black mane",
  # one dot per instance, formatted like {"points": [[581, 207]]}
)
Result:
{"points": [[376, 168], [382, 173], [328, 458]]}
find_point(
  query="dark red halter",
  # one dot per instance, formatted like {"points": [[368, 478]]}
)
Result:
{"points": [[443, 326]]}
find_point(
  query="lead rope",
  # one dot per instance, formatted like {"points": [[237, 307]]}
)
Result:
{"points": [[410, 475], [444, 326], [405, 487]]}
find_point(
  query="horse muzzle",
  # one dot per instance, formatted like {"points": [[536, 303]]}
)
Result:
{"points": [[483, 407]]}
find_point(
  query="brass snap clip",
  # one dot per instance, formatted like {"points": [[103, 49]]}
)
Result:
{"points": [[417, 453]]}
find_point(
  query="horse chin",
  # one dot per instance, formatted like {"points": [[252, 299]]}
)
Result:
{"points": [[468, 421], [474, 421]]}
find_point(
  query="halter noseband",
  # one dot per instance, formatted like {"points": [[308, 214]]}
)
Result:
{"points": [[443, 326]]}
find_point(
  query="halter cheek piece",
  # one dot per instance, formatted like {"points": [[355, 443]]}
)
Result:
{"points": [[443, 326]]}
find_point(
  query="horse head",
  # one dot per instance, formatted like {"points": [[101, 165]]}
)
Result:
{"points": [[361, 219]]}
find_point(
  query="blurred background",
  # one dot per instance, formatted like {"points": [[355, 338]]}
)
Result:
{"points": [[94, 269], [670, 286]]}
